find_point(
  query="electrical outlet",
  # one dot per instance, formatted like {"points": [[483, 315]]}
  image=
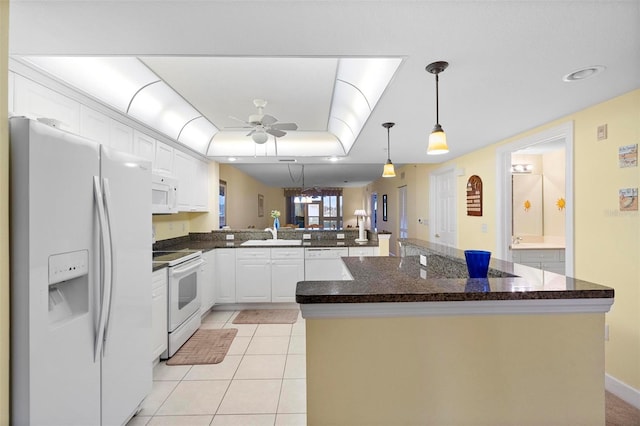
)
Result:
{"points": [[340, 236], [306, 236], [484, 228], [423, 260], [230, 236], [606, 332]]}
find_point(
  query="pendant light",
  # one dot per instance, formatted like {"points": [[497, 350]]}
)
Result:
{"points": [[437, 138], [388, 171]]}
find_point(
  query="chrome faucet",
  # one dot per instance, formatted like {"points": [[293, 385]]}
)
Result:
{"points": [[274, 232]]}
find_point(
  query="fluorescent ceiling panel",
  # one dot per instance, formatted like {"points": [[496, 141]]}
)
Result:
{"points": [[295, 144], [197, 134], [360, 83], [114, 81], [160, 107]]}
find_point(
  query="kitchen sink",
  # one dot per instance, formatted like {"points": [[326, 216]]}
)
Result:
{"points": [[272, 243]]}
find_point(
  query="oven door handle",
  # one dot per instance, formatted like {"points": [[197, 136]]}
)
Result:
{"points": [[176, 272]]}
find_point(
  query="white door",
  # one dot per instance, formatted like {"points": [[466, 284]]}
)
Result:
{"points": [[443, 208]]}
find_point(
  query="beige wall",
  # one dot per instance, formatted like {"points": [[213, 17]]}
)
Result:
{"points": [[242, 199], [4, 216], [607, 241], [456, 370], [353, 199]]}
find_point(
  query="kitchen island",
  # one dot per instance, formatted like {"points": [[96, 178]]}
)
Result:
{"points": [[406, 344]]}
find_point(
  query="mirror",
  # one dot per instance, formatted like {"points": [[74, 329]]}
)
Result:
{"points": [[538, 182]]}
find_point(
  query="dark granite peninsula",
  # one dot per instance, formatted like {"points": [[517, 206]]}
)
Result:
{"points": [[407, 344]]}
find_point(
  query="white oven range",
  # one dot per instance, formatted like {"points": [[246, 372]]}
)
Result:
{"points": [[183, 308]]}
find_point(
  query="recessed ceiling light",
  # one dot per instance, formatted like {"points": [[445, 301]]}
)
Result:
{"points": [[583, 73], [232, 159], [333, 159]]}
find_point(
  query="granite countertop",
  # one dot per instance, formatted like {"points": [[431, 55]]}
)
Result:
{"points": [[206, 245], [403, 279]]}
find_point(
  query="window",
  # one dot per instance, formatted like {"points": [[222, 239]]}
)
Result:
{"points": [[323, 211]]}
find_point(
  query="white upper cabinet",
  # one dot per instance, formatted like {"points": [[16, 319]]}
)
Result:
{"points": [[105, 130], [163, 161], [193, 182], [94, 125], [120, 136], [144, 146], [201, 193], [36, 101]]}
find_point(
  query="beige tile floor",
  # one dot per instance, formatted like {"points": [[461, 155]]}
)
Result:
{"points": [[262, 381]]}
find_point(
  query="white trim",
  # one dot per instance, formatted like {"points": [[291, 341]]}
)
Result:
{"points": [[503, 190], [476, 307], [432, 202], [622, 390]]}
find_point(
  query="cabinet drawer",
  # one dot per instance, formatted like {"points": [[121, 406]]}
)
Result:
{"points": [[253, 253], [287, 253], [361, 251], [527, 256]]}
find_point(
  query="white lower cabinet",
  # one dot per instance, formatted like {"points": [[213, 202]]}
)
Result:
{"points": [[287, 268], [361, 251], [207, 280], [225, 275], [551, 260], [253, 275], [158, 313]]}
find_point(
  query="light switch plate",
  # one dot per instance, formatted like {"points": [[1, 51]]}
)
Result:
{"points": [[306, 236], [340, 236], [230, 237], [423, 260]]}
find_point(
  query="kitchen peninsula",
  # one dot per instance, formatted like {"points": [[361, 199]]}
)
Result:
{"points": [[407, 344]]}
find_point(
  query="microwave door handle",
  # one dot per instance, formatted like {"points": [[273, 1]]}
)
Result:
{"points": [[106, 269], [106, 192]]}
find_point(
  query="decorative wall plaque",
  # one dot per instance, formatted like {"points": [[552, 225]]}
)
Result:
{"points": [[474, 196]]}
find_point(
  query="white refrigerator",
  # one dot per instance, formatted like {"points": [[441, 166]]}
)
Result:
{"points": [[80, 279]]}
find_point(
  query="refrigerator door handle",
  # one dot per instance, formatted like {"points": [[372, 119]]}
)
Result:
{"points": [[106, 269], [106, 189]]}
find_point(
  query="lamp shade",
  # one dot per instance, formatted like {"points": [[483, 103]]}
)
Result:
{"points": [[360, 212], [437, 141], [389, 170]]}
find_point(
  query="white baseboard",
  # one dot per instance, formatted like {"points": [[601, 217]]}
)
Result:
{"points": [[622, 390]]}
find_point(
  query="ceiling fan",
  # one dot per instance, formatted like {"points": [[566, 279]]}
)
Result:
{"points": [[263, 125]]}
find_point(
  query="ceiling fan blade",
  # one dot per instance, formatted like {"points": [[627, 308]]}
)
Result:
{"points": [[237, 119], [251, 132], [275, 132], [268, 120], [285, 126]]}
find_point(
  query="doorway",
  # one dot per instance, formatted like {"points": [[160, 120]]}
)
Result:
{"points": [[504, 187], [443, 215], [374, 211], [403, 215]]}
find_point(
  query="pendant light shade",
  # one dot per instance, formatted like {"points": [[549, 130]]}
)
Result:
{"points": [[389, 170], [437, 138]]}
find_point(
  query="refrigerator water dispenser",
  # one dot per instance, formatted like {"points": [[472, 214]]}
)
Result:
{"points": [[68, 285]]}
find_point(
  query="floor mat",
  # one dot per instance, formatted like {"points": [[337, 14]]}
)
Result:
{"points": [[267, 316], [206, 346]]}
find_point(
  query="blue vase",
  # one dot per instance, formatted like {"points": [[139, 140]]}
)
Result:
{"points": [[276, 223]]}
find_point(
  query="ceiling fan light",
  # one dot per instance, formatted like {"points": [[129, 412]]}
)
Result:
{"points": [[437, 142], [389, 170], [260, 137]]}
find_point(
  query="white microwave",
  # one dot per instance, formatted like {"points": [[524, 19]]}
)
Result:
{"points": [[164, 194]]}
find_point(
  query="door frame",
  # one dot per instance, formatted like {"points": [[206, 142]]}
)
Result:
{"points": [[504, 200], [434, 199]]}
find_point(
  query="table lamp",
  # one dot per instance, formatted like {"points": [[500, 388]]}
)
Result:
{"points": [[360, 214]]}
